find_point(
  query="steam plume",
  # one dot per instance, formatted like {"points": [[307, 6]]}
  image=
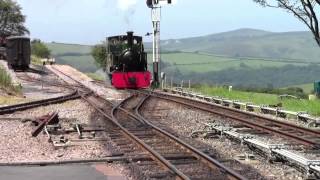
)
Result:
{"points": [[125, 5]]}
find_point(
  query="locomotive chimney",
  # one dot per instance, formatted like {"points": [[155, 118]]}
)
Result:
{"points": [[130, 39]]}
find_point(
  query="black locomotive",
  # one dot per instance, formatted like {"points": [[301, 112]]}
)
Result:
{"points": [[18, 52], [127, 62]]}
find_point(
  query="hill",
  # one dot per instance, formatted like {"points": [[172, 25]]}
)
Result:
{"points": [[250, 43], [75, 55], [244, 57]]}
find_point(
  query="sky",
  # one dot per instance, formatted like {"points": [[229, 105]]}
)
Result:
{"points": [[91, 21]]}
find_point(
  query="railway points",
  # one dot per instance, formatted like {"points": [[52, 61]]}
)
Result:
{"points": [[122, 125]]}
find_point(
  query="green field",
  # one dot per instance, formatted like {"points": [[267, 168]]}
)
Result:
{"points": [[307, 88], [77, 56], [83, 63], [313, 107], [221, 65], [250, 43], [193, 62], [60, 48]]}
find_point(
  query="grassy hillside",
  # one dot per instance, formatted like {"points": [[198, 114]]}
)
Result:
{"points": [[307, 88], [313, 107], [250, 43], [61, 48], [195, 62], [74, 55], [244, 57]]}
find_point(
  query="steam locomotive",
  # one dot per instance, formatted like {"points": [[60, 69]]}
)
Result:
{"points": [[126, 63]]}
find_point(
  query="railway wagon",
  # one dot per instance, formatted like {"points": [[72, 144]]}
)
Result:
{"points": [[3, 53], [3, 50], [127, 62], [18, 52]]}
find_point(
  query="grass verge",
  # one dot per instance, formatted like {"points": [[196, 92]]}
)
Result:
{"points": [[6, 83], [95, 76], [36, 60], [312, 107]]}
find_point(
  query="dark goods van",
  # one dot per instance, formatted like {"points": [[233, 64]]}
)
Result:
{"points": [[18, 52], [3, 53]]}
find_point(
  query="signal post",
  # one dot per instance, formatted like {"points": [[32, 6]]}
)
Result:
{"points": [[155, 6]]}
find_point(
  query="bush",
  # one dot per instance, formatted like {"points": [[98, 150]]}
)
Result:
{"points": [[99, 53], [6, 83], [39, 49]]}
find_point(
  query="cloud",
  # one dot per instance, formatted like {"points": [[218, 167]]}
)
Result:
{"points": [[125, 5]]}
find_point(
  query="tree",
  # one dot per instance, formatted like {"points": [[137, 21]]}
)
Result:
{"points": [[99, 53], [39, 49], [11, 19], [305, 10]]}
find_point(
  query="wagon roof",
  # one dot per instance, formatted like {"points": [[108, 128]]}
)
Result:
{"points": [[18, 37]]}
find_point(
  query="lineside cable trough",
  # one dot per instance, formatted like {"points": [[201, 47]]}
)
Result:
{"points": [[273, 151], [249, 107]]}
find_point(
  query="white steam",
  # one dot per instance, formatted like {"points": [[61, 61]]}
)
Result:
{"points": [[173, 2], [125, 5]]}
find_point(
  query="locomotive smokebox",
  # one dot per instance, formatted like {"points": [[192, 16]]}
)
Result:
{"points": [[130, 39]]}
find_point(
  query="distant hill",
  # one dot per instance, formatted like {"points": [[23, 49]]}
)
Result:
{"points": [[75, 55], [244, 58], [64, 48], [249, 43]]}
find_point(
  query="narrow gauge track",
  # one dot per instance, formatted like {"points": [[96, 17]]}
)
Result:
{"points": [[29, 105], [34, 104], [28, 78], [177, 159], [296, 133], [132, 133]]}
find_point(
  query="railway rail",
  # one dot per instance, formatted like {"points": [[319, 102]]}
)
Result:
{"points": [[24, 106], [161, 154], [296, 133], [136, 136], [26, 77]]}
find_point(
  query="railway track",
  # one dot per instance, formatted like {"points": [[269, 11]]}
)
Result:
{"points": [[44, 102], [293, 132], [172, 157], [34, 104], [26, 77]]}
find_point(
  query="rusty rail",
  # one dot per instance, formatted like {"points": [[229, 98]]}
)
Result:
{"points": [[34, 104], [212, 163], [156, 156], [237, 115], [48, 119]]}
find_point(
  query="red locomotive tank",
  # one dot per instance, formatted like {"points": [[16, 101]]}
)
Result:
{"points": [[132, 80], [127, 62]]}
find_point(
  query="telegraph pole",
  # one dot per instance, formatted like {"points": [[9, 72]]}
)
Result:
{"points": [[156, 55]]}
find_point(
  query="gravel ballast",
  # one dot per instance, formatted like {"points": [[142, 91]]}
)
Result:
{"points": [[183, 121]]}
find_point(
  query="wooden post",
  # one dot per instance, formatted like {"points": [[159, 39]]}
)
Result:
{"points": [[165, 82]]}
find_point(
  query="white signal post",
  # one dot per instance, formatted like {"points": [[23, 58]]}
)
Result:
{"points": [[155, 6]]}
